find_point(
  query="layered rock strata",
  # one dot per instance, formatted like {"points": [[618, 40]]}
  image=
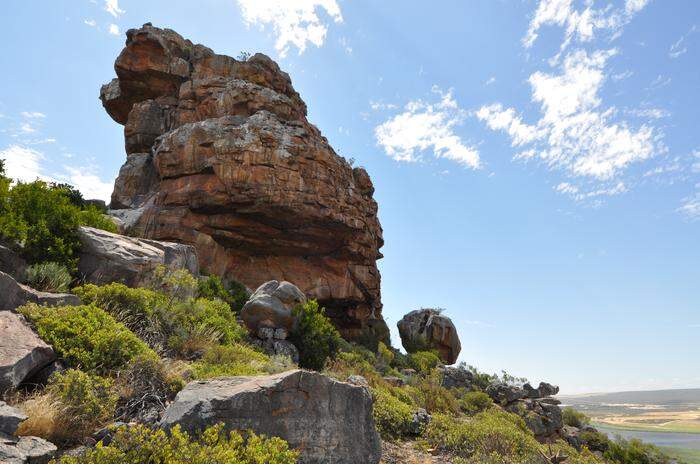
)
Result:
{"points": [[220, 155]]}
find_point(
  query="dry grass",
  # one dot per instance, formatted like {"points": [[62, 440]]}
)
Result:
{"points": [[48, 420]]}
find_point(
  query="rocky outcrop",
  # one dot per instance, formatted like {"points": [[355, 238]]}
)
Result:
{"points": [[11, 263], [271, 305], [220, 155], [425, 329], [22, 352], [327, 420], [540, 412], [13, 294], [106, 257]]}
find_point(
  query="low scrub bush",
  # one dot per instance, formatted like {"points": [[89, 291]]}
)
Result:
{"points": [[92, 216], [635, 452], [574, 418], [73, 406], [490, 432], [232, 360], [424, 361], [234, 293], [315, 336], [49, 277], [435, 398], [392, 417], [139, 444], [85, 336], [475, 402]]}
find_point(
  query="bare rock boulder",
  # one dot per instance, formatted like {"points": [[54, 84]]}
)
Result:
{"points": [[25, 450], [327, 420], [10, 418], [106, 257], [429, 329], [12, 263], [22, 352], [13, 294], [271, 305]]}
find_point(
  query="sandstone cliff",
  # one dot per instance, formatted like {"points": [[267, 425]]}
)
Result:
{"points": [[220, 155]]}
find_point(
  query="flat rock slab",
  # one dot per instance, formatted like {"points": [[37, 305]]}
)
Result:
{"points": [[106, 257], [25, 450], [13, 295], [329, 421], [22, 352], [10, 418]]}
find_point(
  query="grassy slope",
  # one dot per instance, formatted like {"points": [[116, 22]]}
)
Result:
{"points": [[686, 456]]}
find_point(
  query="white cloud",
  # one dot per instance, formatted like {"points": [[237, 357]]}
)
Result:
{"points": [[381, 106], [90, 22], [32, 114], [114, 29], [490, 81], [112, 7], [582, 24], [27, 128], [650, 113], [295, 22], [690, 206], [23, 164], [575, 134], [427, 126], [89, 184], [343, 41], [622, 76], [679, 47]]}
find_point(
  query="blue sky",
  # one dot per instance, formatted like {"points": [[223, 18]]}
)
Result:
{"points": [[536, 162]]}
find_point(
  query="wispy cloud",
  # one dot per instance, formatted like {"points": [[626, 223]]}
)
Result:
{"points": [[90, 22], [32, 115], [114, 29], [680, 46], [22, 163], [427, 127], [112, 7], [690, 206], [294, 22]]}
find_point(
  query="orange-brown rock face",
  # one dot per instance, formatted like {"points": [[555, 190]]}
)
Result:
{"points": [[220, 155]]}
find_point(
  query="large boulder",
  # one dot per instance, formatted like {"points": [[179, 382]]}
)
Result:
{"points": [[220, 155], [327, 420], [10, 418], [106, 257], [13, 294], [542, 417], [271, 305], [25, 450], [12, 263], [22, 352], [430, 329]]}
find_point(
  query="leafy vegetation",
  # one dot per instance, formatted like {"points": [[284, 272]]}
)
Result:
{"points": [[85, 336], [49, 277], [392, 417], [234, 293], [315, 336], [574, 418], [475, 402], [139, 444]]}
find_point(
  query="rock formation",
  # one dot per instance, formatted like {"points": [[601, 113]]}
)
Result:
{"points": [[327, 420], [106, 257], [20, 450], [13, 294], [220, 155], [425, 329], [540, 412]]}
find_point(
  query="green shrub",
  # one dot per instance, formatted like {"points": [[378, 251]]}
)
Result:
{"points": [[232, 360], [392, 417], [424, 361], [489, 432], [314, 336], [138, 445], [71, 407], [475, 402], [234, 293], [92, 216], [635, 452], [49, 277], [435, 398], [574, 418], [85, 336]]}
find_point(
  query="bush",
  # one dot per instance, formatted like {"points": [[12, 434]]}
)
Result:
{"points": [[235, 293], [49, 277], [139, 444], [72, 407], [635, 452], [183, 326], [475, 402], [314, 336], [92, 216], [147, 383], [435, 398], [85, 336], [223, 361], [574, 418], [392, 417], [490, 432], [424, 361]]}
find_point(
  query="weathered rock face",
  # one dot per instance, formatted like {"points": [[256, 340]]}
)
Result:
{"points": [[11, 263], [22, 352], [428, 329], [327, 420], [106, 257], [13, 294], [10, 418], [271, 305], [220, 155], [25, 450]]}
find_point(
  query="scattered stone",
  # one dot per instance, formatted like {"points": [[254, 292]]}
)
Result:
{"points": [[394, 381], [22, 352], [106, 433], [106, 257], [456, 377], [25, 450], [505, 394], [270, 307], [319, 415], [220, 155], [10, 418], [420, 421], [542, 391], [13, 295], [545, 420], [429, 329], [358, 380]]}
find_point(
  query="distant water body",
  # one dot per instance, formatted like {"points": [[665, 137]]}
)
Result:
{"points": [[672, 439]]}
